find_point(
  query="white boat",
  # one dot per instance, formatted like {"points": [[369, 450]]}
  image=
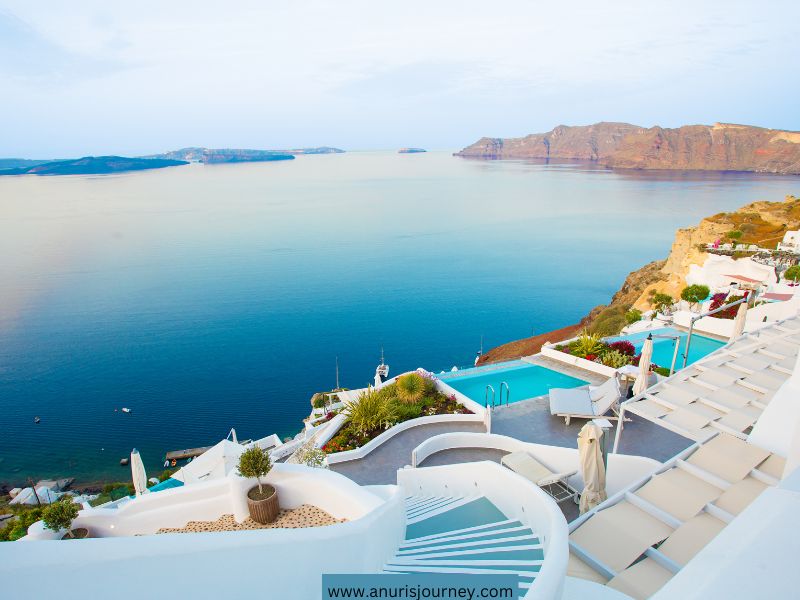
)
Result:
{"points": [[126, 410], [381, 371]]}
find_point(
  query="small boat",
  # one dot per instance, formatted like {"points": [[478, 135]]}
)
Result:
{"points": [[36, 420], [381, 371], [126, 410], [124, 461]]}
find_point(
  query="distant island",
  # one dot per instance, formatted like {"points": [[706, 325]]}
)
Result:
{"points": [[230, 155], [411, 150], [100, 165], [92, 165], [718, 147]]}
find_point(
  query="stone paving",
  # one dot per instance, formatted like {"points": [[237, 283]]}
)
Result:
{"points": [[380, 466], [295, 518]]}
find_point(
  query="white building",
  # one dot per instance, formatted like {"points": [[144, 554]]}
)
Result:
{"points": [[790, 242]]}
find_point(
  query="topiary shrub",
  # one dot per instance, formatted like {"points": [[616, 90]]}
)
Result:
{"points": [[662, 302], [694, 294], [255, 462], [60, 514]]}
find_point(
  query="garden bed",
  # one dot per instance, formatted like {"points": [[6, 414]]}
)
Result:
{"points": [[412, 396]]}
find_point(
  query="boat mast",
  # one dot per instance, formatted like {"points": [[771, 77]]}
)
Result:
{"points": [[337, 372]]}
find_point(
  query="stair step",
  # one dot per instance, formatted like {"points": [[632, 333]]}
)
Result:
{"points": [[423, 502], [431, 506], [479, 536], [468, 512], [495, 542], [529, 553], [486, 569], [489, 527], [439, 509]]}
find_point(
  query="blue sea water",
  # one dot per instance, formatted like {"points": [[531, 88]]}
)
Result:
{"points": [[211, 297]]}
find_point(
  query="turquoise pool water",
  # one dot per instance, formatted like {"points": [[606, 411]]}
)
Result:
{"points": [[664, 348], [166, 484], [524, 381]]}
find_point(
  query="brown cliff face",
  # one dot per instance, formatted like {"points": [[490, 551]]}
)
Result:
{"points": [[721, 147]]}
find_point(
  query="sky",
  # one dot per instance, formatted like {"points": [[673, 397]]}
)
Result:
{"points": [[99, 77]]}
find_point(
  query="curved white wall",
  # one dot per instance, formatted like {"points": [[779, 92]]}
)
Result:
{"points": [[266, 563], [623, 469], [207, 501]]}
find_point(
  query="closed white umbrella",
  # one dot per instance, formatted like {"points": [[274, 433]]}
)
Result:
{"points": [[738, 323], [592, 467], [641, 382], [138, 474]]}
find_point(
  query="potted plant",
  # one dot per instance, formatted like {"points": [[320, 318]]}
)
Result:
{"points": [[60, 514], [262, 500]]}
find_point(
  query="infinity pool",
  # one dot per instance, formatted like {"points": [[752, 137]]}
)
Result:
{"points": [[663, 348], [524, 381]]}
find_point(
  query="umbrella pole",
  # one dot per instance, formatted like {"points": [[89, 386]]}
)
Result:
{"points": [[677, 342], [620, 424]]}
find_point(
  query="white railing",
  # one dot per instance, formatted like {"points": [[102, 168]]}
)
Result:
{"points": [[516, 497]]}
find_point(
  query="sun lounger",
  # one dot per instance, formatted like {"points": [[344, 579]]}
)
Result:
{"points": [[554, 484], [585, 404]]}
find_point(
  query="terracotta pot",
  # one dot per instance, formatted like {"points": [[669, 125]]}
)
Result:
{"points": [[263, 508], [77, 534]]}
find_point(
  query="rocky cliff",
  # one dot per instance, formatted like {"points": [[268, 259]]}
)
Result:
{"points": [[718, 147], [761, 223]]}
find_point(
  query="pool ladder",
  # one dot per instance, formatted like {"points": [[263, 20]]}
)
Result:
{"points": [[500, 403]]}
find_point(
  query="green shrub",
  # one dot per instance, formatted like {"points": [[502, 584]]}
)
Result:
{"points": [[633, 315], [661, 301], [60, 514], [586, 344], [311, 457], [792, 273], [734, 234], [662, 371], [615, 359], [411, 387], [694, 294], [405, 411], [318, 401], [372, 410], [255, 462], [166, 474], [18, 527], [611, 325]]}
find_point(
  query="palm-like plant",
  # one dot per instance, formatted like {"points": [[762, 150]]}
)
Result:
{"points": [[372, 410], [411, 387], [587, 343]]}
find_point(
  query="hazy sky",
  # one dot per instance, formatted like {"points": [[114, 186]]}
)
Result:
{"points": [[100, 77]]}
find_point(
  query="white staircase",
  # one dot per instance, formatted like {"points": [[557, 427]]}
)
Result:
{"points": [[456, 534]]}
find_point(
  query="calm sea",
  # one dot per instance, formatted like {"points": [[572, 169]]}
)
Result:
{"points": [[211, 297]]}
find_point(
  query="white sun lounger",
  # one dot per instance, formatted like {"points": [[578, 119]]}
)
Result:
{"points": [[585, 404], [553, 484]]}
